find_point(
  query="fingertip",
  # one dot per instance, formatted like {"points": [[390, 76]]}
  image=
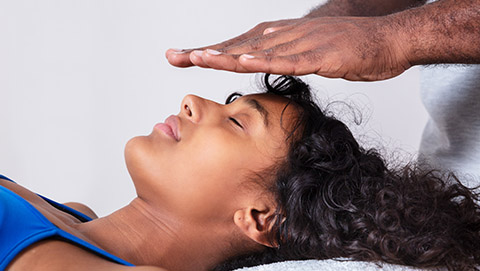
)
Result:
{"points": [[213, 52], [168, 53], [175, 58], [269, 30], [196, 57], [246, 57], [175, 50], [249, 62], [252, 63]]}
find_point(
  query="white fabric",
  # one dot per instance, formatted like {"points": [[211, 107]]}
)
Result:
{"points": [[327, 265], [451, 139]]}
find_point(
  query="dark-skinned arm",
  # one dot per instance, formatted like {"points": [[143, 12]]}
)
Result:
{"points": [[363, 8], [446, 31], [443, 32], [332, 8], [354, 48]]}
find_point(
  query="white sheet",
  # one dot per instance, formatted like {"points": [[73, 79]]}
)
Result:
{"points": [[327, 265]]}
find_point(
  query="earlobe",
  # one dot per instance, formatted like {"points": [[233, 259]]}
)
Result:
{"points": [[256, 224]]}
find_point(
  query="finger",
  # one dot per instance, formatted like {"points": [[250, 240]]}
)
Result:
{"points": [[308, 62], [196, 58], [297, 64], [220, 61], [181, 57], [272, 29], [262, 42], [257, 31], [226, 62]]}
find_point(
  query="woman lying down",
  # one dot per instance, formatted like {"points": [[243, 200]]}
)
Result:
{"points": [[264, 178]]}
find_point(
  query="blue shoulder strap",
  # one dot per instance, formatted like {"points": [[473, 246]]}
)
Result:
{"points": [[81, 216], [63, 234], [6, 178]]}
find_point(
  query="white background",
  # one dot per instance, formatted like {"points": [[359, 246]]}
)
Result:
{"points": [[80, 78]]}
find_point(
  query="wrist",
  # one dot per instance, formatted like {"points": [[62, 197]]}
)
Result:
{"points": [[362, 8], [393, 41], [403, 35], [413, 34], [441, 32]]}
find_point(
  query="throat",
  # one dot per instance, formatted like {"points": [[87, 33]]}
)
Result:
{"points": [[143, 235]]}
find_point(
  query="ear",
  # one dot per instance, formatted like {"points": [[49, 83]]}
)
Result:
{"points": [[255, 223]]}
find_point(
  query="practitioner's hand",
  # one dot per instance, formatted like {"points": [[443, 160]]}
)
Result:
{"points": [[354, 48], [181, 58]]}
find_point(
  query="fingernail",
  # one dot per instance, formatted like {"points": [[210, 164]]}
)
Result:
{"points": [[177, 51], [269, 30], [213, 52], [247, 56], [198, 53]]}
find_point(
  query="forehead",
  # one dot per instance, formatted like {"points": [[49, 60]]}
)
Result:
{"points": [[280, 114], [267, 98], [273, 141], [274, 104]]}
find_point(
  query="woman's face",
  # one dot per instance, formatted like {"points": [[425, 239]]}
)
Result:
{"points": [[201, 162]]}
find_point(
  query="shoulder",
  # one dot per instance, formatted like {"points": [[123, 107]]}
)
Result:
{"points": [[57, 255], [81, 208], [35, 199]]}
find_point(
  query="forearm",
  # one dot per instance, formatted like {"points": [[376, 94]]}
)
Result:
{"points": [[447, 31], [335, 8]]}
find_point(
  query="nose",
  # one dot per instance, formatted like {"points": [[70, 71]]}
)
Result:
{"points": [[192, 107]]}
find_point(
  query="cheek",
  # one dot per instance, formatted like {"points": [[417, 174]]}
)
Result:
{"points": [[212, 174], [201, 176], [216, 154], [214, 161]]}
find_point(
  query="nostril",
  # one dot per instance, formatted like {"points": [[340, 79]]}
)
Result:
{"points": [[187, 109]]}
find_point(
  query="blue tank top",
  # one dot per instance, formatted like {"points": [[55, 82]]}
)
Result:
{"points": [[21, 225]]}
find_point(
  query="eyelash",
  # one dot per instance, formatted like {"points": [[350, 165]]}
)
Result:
{"points": [[236, 122]]}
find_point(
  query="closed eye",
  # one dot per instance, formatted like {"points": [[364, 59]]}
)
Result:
{"points": [[236, 122]]}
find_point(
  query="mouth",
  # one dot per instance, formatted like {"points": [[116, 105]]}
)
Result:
{"points": [[169, 127]]}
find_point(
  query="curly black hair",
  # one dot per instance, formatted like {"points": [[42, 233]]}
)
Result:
{"points": [[336, 199]]}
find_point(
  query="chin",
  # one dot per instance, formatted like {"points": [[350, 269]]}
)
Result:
{"points": [[141, 158], [135, 153]]}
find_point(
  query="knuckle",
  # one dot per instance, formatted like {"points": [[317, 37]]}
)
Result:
{"points": [[269, 52], [262, 25], [281, 48], [311, 57], [266, 23], [230, 42], [255, 43], [293, 58], [284, 47]]}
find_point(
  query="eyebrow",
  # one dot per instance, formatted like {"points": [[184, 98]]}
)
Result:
{"points": [[253, 103]]}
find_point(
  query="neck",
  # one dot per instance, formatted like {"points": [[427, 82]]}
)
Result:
{"points": [[144, 235]]}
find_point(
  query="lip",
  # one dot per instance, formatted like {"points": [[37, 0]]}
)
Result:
{"points": [[169, 127]]}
